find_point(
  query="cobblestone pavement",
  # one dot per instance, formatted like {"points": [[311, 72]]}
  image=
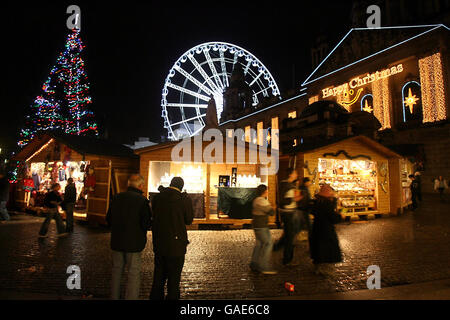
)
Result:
{"points": [[411, 248]]}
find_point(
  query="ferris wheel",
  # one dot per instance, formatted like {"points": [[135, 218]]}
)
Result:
{"points": [[203, 72]]}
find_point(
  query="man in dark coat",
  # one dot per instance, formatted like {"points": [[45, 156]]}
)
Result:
{"points": [[51, 202], [129, 217], [70, 197], [172, 212], [324, 246]]}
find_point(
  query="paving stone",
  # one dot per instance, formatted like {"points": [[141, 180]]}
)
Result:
{"points": [[411, 248]]}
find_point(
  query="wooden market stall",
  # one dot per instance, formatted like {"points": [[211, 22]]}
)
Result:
{"points": [[366, 175], [99, 168], [221, 191]]}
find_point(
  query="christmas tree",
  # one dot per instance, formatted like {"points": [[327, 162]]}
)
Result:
{"points": [[63, 104]]}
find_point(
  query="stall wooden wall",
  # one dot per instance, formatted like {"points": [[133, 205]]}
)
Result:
{"points": [[164, 153]]}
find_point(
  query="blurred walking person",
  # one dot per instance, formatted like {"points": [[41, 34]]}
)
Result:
{"points": [[440, 185], [304, 206], [290, 216], [70, 197], [172, 211], [414, 187], [325, 249], [263, 247], [129, 217], [52, 201], [4, 196]]}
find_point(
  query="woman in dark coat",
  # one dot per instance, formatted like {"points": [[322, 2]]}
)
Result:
{"points": [[324, 243]]}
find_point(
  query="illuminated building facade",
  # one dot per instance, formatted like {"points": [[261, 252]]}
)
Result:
{"points": [[399, 75]]}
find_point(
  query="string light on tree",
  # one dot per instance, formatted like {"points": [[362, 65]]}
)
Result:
{"points": [[63, 104]]}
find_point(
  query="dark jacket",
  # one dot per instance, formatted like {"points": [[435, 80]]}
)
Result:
{"points": [[70, 193], [129, 217], [172, 211], [324, 244], [4, 189], [306, 202], [415, 186], [286, 201], [50, 198]]}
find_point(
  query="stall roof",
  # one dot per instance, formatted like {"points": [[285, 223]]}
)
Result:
{"points": [[81, 144], [308, 147]]}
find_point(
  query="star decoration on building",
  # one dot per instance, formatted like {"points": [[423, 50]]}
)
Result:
{"points": [[410, 100], [367, 108]]}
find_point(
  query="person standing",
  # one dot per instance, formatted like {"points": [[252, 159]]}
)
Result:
{"points": [[172, 211], [70, 197], [414, 186], [263, 247], [51, 202], [418, 178], [290, 216], [440, 185], [129, 217], [304, 205], [324, 246], [4, 196]]}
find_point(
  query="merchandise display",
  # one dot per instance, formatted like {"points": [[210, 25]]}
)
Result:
{"points": [[43, 175], [355, 182]]}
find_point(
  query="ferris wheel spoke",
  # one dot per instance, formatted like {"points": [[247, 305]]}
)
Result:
{"points": [[204, 74], [198, 130], [193, 80], [187, 120], [190, 92], [224, 68], [213, 69], [247, 67], [263, 91], [256, 79], [187, 105]]}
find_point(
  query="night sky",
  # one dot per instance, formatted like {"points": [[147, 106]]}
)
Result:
{"points": [[131, 46]]}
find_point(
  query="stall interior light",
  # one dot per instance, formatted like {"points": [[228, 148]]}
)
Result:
{"points": [[40, 149]]}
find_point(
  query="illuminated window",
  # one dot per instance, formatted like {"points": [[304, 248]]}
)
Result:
{"points": [[260, 132], [412, 102], [247, 134], [292, 114], [275, 134]]}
